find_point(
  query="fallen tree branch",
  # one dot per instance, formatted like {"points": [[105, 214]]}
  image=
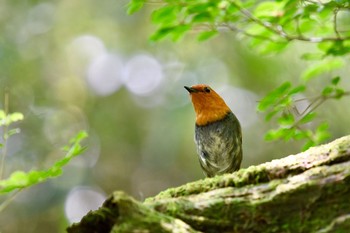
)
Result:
{"points": [[307, 192]]}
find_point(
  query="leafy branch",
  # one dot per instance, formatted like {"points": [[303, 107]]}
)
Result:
{"points": [[270, 26], [281, 104], [278, 29], [19, 180], [289, 20], [6, 120]]}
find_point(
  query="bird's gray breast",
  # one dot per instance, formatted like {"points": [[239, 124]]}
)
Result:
{"points": [[219, 145]]}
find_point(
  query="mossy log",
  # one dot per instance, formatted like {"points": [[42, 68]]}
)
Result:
{"points": [[306, 192]]}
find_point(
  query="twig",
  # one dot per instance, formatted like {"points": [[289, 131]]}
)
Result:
{"points": [[9, 200], [4, 133], [297, 21], [315, 104], [310, 108], [278, 30], [335, 27], [236, 29], [249, 15]]}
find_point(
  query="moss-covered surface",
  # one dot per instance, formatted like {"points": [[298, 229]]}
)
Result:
{"points": [[307, 192], [332, 153], [340, 224], [121, 213]]}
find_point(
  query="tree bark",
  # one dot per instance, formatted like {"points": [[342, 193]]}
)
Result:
{"points": [[306, 192]]}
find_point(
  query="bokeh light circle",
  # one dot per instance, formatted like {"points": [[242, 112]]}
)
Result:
{"points": [[86, 47], [143, 75], [81, 200], [104, 74]]}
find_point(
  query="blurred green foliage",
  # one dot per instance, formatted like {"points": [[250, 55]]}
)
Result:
{"points": [[5, 121], [19, 179]]}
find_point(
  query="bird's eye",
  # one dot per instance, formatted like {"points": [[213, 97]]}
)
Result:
{"points": [[207, 89]]}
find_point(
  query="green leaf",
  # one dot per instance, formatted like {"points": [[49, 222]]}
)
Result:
{"points": [[281, 133], [207, 35], [334, 48], [312, 56], [328, 90], [134, 6], [337, 48], [10, 118], [289, 133], [204, 17], [308, 144], [332, 89], [175, 32], [322, 133], [321, 67], [179, 31], [270, 47], [286, 120], [200, 7], [284, 101], [12, 132], [257, 29], [306, 25], [161, 33], [297, 89], [274, 96], [325, 45], [13, 117], [335, 80], [339, 93], [269, 9], [2, 115], [310, 9], [272, 135], [271, 114], [165, 16], [308, 117], [20, 179], [302, 134]]}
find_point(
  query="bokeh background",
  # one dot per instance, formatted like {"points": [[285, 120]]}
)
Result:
{"points": [[75, 65]]}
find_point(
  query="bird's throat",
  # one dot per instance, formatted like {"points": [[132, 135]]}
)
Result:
{"points": [[208, 117]]}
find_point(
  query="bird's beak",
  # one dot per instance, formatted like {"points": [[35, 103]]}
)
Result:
{"points": [[190, 89]]}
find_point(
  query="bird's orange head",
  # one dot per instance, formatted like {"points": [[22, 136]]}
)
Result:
{"points": [[208, 105]]}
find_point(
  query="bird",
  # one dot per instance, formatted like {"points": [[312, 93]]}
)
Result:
{"points": [[218, 134]]}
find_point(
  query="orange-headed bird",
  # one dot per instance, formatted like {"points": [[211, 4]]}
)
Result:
{"points": [[218, 133]]}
